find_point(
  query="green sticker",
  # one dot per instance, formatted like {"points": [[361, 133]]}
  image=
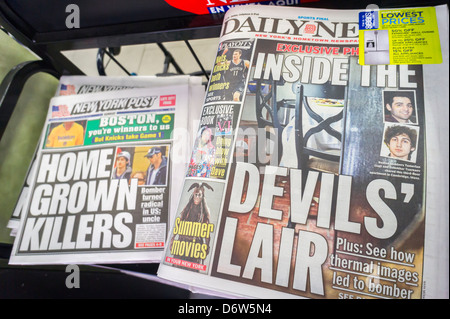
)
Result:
{"points": [[399, 36]]}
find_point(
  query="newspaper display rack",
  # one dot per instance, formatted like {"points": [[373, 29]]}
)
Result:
{"points": [[106, 174], [314, 174]]}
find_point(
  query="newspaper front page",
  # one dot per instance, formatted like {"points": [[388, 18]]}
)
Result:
{"points": [[106, 177], [76, 85], [313, 175]]}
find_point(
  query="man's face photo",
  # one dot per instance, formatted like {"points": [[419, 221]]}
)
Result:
{"points": [[198, 195], [401, 108], [68, 125], [121, 162], [154, 158], [400, 146], [236, 56]]}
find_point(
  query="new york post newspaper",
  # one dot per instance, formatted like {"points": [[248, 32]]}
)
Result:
{"points": [[313, 175], [83, 85], [106, 174]]}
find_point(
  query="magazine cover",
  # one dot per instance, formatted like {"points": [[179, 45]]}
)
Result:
{"points": [[325, 181], [106, 177]]}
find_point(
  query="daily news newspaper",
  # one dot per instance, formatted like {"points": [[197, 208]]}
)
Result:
{"points": [[108, 171], [313, 175]]}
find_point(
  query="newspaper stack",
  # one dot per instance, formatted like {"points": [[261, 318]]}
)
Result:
{"points": [[107, 174], [316, 174]]}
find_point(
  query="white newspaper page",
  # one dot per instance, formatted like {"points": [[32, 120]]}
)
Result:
{"points": [[106, 177], [313, 174], [76, 85], [80, 84]]}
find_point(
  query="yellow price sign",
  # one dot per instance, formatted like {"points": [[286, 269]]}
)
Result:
{"points": [[399, 36]]}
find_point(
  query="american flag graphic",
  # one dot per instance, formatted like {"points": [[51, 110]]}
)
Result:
{"points": [[67, 89], [60, 111]]}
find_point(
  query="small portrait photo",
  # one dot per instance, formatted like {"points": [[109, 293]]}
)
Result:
{"points": [[65, 134], [400, 142], [147, 164], [157, 158], [203, 153], [234, 62], [400, 107], [123, 164]]}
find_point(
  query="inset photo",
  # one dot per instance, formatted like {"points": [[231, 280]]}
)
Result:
{"points": [[157, 157], [400, 107], [400, 142], [147, 164], [376, 47], [66, 134]]}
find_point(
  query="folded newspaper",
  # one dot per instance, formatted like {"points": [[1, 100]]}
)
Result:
{"points": [[320, 168], [71, 85], [107, 173]]}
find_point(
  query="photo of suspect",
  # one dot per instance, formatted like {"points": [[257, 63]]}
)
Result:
{"points": [[400, 142], [400, 107]]}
